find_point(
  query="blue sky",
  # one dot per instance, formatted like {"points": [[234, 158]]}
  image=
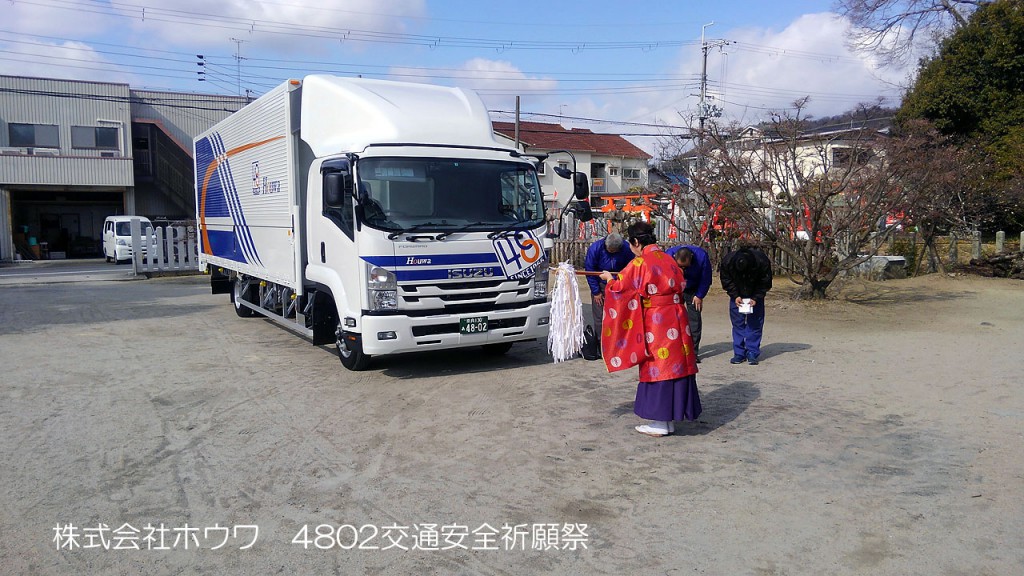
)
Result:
{"points": [[629, 67]]}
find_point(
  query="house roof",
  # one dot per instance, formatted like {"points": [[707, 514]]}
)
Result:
{"points": [[554, 136], [879, 125]]}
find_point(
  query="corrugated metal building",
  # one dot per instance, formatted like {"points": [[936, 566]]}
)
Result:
{"points": [[73, 153]]}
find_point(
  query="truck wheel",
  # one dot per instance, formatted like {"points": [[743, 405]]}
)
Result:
{"points": [[497, 349], [237, 296], [350, 350]]}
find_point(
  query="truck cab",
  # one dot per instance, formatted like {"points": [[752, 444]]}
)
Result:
{"points": [[448, 247]]}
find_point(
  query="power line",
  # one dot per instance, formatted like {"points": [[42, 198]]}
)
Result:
{"points": [[167, 102], [304, 29], [592, 120], [780, 52]]}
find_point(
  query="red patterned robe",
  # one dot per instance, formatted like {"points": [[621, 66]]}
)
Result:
{"points": [[645, 321]]}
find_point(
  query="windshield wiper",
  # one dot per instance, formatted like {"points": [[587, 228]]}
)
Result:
{"points": [[464, 228], [417, 228], [512, 231]]}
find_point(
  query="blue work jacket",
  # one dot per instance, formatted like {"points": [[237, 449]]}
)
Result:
{"points": [[599, 259]]}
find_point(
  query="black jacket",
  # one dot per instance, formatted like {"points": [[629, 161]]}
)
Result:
{"points": [[751, 281]]}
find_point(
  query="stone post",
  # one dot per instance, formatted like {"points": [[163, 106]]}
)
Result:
{"points": [[1000, 241], [976, 246], [954, 250]]}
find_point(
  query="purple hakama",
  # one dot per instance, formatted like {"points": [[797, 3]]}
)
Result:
{"points": [[668, 400]]}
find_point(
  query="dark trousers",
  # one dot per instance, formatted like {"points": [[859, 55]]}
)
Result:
{"points": [[598, 312], [746, 330], [693, 315]]}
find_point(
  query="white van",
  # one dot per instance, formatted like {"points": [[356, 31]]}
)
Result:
{"points": [[117, 237]]}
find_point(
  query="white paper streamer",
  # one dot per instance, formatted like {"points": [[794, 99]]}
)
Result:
{"points": [[565, 336]]}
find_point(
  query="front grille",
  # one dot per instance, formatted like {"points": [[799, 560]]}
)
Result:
{"points": [[462, 285], [435, 329], [506, 323], [465, 296], [453, 328], [458, 309]]}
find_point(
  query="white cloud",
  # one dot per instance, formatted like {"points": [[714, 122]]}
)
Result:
{"points": [[497, 81], [45, 20], [66, 61], [810, 57], [500, 76], [287, 25], [766, 70]]}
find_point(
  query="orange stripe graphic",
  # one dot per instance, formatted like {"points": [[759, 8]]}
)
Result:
{"points": [[206, 182]]}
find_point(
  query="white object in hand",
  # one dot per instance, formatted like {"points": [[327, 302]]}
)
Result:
{"points": [[746, 306]]}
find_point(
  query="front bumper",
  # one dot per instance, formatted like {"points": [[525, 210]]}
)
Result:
{"points": [[125, 252], [413, 334]]}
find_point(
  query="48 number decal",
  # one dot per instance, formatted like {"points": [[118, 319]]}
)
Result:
{"points": [[518, 254]]}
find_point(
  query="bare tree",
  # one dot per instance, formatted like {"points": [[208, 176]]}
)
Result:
{"points": [[939, 174], [890, 28], [827, 200]]}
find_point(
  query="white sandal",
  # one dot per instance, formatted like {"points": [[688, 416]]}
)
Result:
{"points": [[652, 431]]}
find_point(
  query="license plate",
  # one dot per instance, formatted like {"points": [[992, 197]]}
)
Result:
{"points": [[474, 325]]}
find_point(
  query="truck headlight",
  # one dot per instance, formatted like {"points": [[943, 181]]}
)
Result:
{"points": [[383, 299], [381, 288], [122, 242], [381, 279], [540, 280]]}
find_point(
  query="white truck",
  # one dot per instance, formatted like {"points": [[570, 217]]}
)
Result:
{"points": [[380, 216]]}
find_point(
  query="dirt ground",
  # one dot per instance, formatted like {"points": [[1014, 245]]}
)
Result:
{"points": [[881, 434]]}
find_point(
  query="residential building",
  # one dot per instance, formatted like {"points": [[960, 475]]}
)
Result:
{"points": [[776, 165], [614, 164], [74, 152]]}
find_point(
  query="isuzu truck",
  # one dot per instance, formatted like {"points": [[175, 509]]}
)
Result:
{"points": [[381, 216]]}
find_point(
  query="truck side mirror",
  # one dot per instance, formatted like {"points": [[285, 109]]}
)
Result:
{"points": [[336, 185], [582, 211], [580, 186]]}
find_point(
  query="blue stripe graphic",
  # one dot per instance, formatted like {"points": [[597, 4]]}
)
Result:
{"points": [[223, 244], [216, 205], [420, 260], [242, 231], [223, 175]]}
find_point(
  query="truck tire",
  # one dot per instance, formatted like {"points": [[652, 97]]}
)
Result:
{"points": [[237, 295], [496, 349], [350, 350]]}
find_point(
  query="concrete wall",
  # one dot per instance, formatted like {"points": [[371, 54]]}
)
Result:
{"points": [[64, 104]]}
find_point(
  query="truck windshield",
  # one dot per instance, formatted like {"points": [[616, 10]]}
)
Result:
{"points": [[444, 193]]}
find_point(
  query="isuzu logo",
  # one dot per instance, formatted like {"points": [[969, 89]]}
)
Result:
{"points": [[412, 260], [470, 273]]}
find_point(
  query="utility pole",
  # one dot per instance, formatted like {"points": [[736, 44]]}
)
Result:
{"points": [[517, 123], [702, 110], [706, 110], [238, 63]]}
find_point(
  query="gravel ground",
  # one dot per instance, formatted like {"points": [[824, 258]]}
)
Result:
{"points": [[881, 434]]}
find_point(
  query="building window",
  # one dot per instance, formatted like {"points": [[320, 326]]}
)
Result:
{"points": [[94, 137], [542, 168], [631, 173], [563, 165], [613, 170], [33, 135], [846, 157]]}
